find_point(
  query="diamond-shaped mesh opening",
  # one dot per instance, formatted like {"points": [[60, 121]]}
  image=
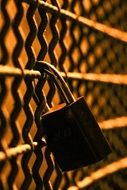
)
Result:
{"points": [[33, 107], [10, 42], [23, 59], [42, 163], [77, 8], [58, 51], [56, 98], [36, 47], [8, 137], [84, 46], [75, 56], [67, 40], [11, 6], [76, 33], [91, 60], [20, 174], [9, 99], [20, 121], [83, 66], [24, 26], [4, 175], [67, 65], [48, 31], [87, 6]]}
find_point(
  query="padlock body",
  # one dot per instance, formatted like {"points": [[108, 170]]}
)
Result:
{"points": [[74, 137]]}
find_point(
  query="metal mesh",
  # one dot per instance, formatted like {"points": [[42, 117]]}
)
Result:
{"points": [[87, 41]]}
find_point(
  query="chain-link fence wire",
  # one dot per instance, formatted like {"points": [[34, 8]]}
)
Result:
{"points": [[87, 41]]}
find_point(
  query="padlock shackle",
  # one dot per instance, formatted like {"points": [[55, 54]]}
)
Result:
{"points": [[50, 70], [61, 90]]}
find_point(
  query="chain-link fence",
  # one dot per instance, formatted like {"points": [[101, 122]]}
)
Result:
{"points": [[87, 41]]}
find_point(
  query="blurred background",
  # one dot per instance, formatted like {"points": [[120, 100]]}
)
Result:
{"points": [[86, 41]]}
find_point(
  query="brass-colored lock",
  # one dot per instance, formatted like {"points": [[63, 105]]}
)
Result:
{"points": [[72, 133]]}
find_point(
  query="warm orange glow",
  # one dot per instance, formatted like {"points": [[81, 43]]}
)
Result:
{"points": [[106, 78], [114, 123], [111, 168], [102, 172]]}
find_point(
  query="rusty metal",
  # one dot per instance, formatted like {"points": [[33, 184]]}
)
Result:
{"points": [[110, 31], [117, 122], [87, 42], [20, 149], [105, 78], [9, 71], [100, 173]]}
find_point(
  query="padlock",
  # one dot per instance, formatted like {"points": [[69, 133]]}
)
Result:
{"points": [[72, 133]]}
